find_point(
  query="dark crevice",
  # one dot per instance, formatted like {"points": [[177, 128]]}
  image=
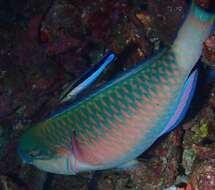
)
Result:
{"points": [[18, 181], [181, 170], [92, 185], [48, 182], [207, 141]]}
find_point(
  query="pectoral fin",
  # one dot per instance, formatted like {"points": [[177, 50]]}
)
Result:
{"points": [[75, 147]]}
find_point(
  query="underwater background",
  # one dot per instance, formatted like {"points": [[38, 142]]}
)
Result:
{"points": [[47, 44]]}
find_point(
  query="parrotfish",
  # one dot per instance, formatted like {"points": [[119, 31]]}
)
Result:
{"points": [[111, 127]]}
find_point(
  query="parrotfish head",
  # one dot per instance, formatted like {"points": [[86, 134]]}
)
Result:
{"points": [[32, 147], [34, 150]]}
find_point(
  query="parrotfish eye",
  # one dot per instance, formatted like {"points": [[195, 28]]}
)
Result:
{"points": [[38, 154], [34, 153]]}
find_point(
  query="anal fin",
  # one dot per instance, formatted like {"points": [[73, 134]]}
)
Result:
{"points": [[184, 102]]}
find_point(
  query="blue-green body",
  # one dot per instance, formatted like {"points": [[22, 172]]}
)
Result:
{"points": [[116, 124]]}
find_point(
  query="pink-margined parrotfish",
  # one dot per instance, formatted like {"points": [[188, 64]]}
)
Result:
{"points": [[112, 126]]}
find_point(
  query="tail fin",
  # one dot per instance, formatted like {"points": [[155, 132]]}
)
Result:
{"points": [[208, 6], [205, 12], [195, 29]]}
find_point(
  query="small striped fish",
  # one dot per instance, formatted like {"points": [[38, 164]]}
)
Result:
{"points": [[114, 125], [87, 78]]}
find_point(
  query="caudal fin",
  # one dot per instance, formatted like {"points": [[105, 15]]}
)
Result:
{"points": [[208, 6], [203, 11]]}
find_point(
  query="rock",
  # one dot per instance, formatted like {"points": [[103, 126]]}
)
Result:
{"points": [[203, 175]]}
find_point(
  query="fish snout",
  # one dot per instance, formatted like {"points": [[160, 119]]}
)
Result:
{"points": [[23, 155]]}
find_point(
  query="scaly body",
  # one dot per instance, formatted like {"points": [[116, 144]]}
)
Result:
{"points": [[120, 121]]}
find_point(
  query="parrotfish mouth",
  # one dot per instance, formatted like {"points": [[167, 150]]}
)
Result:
{"points": [[25, 159]]}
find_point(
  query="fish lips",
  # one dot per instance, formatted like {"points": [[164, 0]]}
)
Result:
{"points": [[25, 159]]}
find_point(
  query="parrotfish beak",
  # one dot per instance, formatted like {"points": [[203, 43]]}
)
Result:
{"points": [[25, 159]]}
